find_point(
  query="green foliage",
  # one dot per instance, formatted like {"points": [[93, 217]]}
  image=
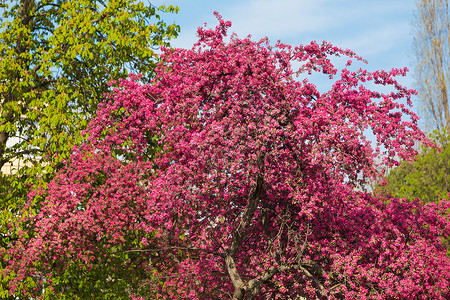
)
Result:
{"points": [[426, 178], [56, 58], [103, 279]]}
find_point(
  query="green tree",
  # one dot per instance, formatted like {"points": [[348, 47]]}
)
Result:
{"points": [[56, 58], [426, 178]]}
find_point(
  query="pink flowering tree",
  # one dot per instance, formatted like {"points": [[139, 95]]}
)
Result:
{"points": [[227, 177]]}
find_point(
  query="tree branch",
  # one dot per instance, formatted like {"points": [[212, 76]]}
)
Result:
{"points": [[241, 229]]}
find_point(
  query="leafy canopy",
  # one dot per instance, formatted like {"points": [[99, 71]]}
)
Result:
{"points": [[252, 194], [56, 58], [427, 177]]}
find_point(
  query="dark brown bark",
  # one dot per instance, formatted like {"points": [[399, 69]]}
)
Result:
{"points": [[240, 288], [3, 139], [26, 17]]}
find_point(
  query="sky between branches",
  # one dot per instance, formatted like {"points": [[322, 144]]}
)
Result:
{"points": [[380, 31]]}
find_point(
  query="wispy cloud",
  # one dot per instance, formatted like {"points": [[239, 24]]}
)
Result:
{"points": [[368, 27], [282, 18], [373, 26]]}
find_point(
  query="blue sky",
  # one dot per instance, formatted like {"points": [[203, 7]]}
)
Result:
{"points": [[380, 31]]}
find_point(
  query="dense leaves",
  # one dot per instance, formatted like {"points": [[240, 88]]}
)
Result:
{"points": [[55, 61], [253, 193], [56, 58], [427, 177]]}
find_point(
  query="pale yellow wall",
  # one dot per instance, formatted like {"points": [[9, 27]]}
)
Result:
{"points": [[12, 167]]}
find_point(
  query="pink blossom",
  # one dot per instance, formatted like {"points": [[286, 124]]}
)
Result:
{"points": [[228, 177]]}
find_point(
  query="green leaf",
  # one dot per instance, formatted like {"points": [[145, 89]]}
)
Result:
{"points": [[52, 104]]}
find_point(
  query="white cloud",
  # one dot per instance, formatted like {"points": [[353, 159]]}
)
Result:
{"points": [[368, 27], [374, 41], [282, 18], [287, 18]]}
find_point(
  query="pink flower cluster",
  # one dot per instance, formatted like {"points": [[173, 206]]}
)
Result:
{"points": [[233, 179]]}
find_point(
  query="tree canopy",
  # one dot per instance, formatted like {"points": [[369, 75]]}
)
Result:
{"points": [[227, 177], [427, 177], [56, 58]]}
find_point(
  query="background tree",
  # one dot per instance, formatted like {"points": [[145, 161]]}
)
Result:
{"points": [[433, 52], [56, 58], [253, 194], [427, 177]]}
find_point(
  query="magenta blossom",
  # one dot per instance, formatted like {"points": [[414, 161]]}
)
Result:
{"points": [[228, 177]]}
